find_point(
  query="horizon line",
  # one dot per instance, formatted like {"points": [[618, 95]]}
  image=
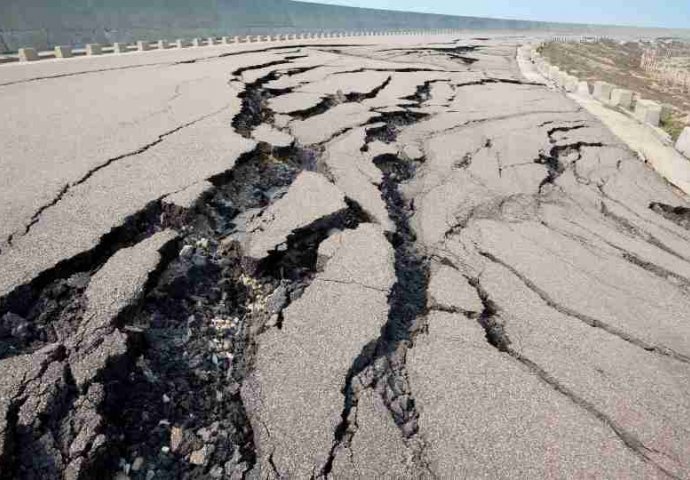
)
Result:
{"points": [[317, 2]]}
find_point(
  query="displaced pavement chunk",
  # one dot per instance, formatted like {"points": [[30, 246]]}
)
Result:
{"points": [[311, 197], [294, 396]]}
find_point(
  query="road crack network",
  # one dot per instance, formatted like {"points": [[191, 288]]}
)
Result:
{"points": [[226, 330]]}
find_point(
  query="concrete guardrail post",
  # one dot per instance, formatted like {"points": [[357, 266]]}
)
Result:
{"points": [[571, 83], [683, 143], [93, 49], [621, 97], [211, 41], [180, 43], [162, 44], [559, 79], [119, 47], [27, 55], [602, 91], [63, 52], [196, 42], [666, 110], [647, 111], [142, 46], [583, 89]]}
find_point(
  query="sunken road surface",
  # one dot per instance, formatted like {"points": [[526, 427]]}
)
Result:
{"points": [[332, 260]]}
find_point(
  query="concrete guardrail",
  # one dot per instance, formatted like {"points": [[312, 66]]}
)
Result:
{"points": [[92, 49], [644, 110], [683, 143]]}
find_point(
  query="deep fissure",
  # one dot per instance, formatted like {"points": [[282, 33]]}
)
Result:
{"points": [[381, 363]]}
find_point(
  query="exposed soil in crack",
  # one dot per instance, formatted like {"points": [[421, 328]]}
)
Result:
{"points": [[38, 297], [392, 123], [330, 101], [179, 408], [561, 156], [381, 363], [323, 106], [170, 404], [57, 420], [360, 97]]}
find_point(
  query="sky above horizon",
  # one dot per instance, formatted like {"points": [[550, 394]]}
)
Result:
{"points": [[644, 13]]}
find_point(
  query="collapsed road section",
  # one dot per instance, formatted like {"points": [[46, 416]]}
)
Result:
{"points": [[344, 261]]}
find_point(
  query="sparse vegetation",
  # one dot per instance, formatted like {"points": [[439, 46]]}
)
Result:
{"points": [[619, 63]]}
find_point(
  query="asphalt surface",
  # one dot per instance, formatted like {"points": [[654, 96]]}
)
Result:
{"points": [[383, 258]]}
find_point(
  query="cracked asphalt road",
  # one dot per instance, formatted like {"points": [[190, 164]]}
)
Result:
{"points": [[389, 258]]}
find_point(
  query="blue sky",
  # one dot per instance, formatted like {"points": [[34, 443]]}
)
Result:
{"points": [[647, 13]]}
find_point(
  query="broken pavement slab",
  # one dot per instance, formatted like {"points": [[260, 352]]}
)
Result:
{"points": [[310, 198], [356, 175], [72, 368], [294, 102], [377, 449], [274, 137], [69, 228], [294, 395], [188, 197], [449, 290], [117, 286], [18, 373], [323, 127]]}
